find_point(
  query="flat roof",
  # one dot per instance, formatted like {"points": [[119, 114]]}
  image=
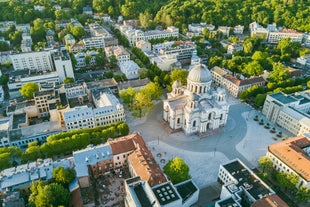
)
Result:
{"points": [[19, 119], [291, 152], [247, 180], [165, 193], [229, 202], [142, 196], [186, 189], [283, 98]]}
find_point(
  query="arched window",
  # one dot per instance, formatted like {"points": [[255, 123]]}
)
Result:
{"points": [[194, 123], [209, 117], [178, 121]]}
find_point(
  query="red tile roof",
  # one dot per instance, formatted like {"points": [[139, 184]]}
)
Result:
{"points": [[270, 201]]}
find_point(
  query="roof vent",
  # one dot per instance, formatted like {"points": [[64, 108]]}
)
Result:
{"points": [[86, 159]]}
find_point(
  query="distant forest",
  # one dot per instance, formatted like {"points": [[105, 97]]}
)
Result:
{"points": [[288, 13]]}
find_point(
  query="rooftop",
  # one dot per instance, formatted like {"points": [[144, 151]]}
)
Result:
{"points": [[283, 98], [141, 195], [133, 83], [125, 144], [247, 180], [90, 156], [229, 202], [270, 201], [186, 189], [19, 119], [294, 152], [165, 193]]}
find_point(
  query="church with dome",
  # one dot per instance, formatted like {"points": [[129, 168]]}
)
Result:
{"points": [[196, 108]]}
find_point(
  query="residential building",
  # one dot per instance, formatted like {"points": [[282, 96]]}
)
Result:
{"points": [[46, 99], [270, 201], [97, 30], [241, 186], [81, 59], [95, 159], [119, 52], [63, 64], [78, 47], [304, 60], [144, 45], [24, 175], [273, 34], [196, 108], [1, 94], [238, 30], [88, 10], [130, 69], [233, 84], [225, 30], [34, 61], [26, 43], [108, 111], [183, 50], [234, 48], [196, 29], [5, 57], [163, 62], [69, 39], [39, 8], [292, 156], [57, 7], [289, 111], [75, 90], [94, 43], [19, 78], [64, 23], [133, 35]]}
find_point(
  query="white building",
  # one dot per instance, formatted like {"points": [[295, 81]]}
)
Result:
{"points": [[273, 34], [238, 29], [108, 111], [1, 94], [119, 52], [144, 45], [94, 42], [198, 28], [130, 69], [233, 84], [63, 64], [25, 45], [34, 61], [17, 81], [75, 90], [195, 108], [135, 35], [81, 58], [289, 111], [225, 30], [292, 156], [304, 60], [241, 186], [234, 48]]}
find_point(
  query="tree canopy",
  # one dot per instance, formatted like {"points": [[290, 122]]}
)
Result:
{"points": [[62, 175], [28, 90], [177, 170]]}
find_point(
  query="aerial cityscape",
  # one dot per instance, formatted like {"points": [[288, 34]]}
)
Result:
{"points": [[155, 103]]}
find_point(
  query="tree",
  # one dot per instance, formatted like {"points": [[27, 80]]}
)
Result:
{"points": [[16, 38], [28, 90], [78, 32], [253, 68], [37, 31], [4, 46], [279, 73], [142, 73], [179, 74], [100, 59], [142, 102], [215, 61], [302, 195], [153, 90], [113, 61], [127, 95], [4, 80], [265, 163], [68, 80], [260, 99], [63, 176], [177, 170], [308, 84], [146, 20], [44, 195]]}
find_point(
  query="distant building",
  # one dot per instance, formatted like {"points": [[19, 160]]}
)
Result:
{"points": [[26, 43], [234, 48], [130, 69], [289, 111], [133, 35], [238, 29], [136, 84], [94, 43], [69, 39], [144, 45], [88, 10], [197, 29], [119, 52], [81, 59], [63, 64], [225, 30], [292, 156], [273, 35], [232, 84]]}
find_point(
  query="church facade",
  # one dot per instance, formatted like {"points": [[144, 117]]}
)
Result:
{"points": [[196, 108]]}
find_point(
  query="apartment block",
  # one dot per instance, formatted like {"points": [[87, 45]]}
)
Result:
{"points": [[242, 187], [233, 84], [119, 52], [290, 112], [133, 35], [292, 156]]}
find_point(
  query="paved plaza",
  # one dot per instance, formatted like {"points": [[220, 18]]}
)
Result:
{"points": [[241, 138]]}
